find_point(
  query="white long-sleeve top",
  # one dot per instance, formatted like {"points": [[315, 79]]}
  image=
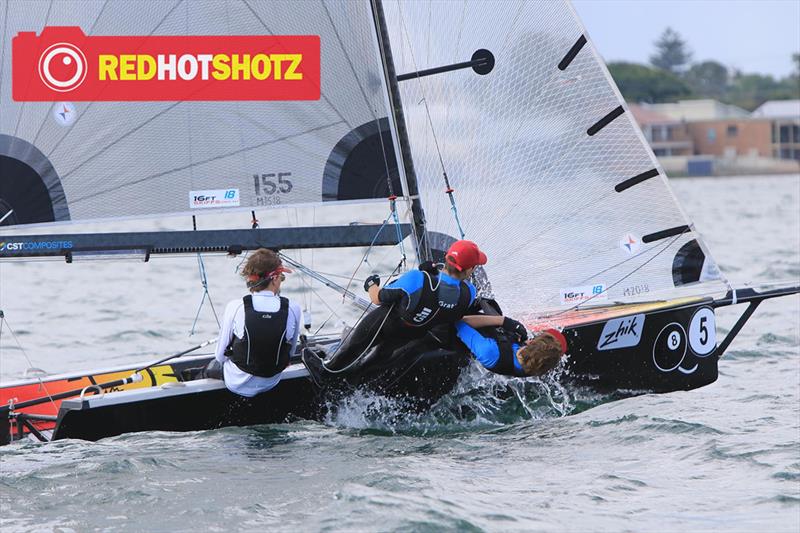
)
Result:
{"points": [[236, 379]]}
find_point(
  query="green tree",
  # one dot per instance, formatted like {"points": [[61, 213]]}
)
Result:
{"points": [[640, 83], [709, 79], [751, 90], [672, 53]]}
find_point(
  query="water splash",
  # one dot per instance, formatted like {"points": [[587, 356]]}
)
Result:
{"points": [[479, 400]]}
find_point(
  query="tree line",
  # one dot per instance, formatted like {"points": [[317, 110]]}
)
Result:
{"points": [[672, 76]]}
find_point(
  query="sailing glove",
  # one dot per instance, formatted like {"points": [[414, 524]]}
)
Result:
{"points": [[429, 267], [372, 280], [512, 326]]}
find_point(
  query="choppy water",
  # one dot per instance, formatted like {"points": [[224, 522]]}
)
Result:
{"points": [[496, 455]]}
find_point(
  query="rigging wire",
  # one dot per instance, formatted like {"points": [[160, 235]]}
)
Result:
{"points": [[3, 320], [365, 257], [360, 318], [448, 189], [204, 282], [392, 194], [623, 278]]}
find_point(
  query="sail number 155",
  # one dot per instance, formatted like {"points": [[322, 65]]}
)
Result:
{"points": [[272, 183]]}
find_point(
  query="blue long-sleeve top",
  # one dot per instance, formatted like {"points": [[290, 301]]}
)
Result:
{"points": [[485, 350]]}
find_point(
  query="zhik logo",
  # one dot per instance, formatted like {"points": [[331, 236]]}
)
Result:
{"points": [[622, 332]]}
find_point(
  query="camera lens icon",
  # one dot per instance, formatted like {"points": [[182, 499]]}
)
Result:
{"points": [[62, 67]]}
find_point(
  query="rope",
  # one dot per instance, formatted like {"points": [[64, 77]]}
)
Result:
{"points": [[204, 282], [623, 278], [24, 354], [365, 257], [453, 207], [363, 353], [364, 312], [393, 207], [448, 189]]}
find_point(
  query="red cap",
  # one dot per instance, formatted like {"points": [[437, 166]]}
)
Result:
{"points": [[464, 255], [559, 337]]}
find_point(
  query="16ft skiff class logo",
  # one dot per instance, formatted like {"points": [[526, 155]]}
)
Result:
{"points": [[575, 295], [214, 198], [63, 62]]}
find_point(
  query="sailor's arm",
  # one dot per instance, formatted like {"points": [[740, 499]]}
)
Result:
{"points": [[373, 292], [226, 331], [508, 324], [483, 321], [397, 291], [294, 322], [485, 350]]}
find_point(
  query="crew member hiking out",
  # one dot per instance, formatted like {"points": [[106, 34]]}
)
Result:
{"points": [[408, 308], [258, 332], [501, 345]]}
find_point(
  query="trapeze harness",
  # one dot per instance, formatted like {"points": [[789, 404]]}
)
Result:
{"points": [[264, 349], [441, 303], [506, 343]]}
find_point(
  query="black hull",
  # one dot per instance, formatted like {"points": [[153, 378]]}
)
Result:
{"points": [[653, 364], [659, 346], [207, 404]]}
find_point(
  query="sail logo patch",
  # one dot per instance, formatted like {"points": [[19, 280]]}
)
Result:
{"points": [[214, 198], [64, 113], [630, 244], [575, 295], [63, 60], [624, 332]]}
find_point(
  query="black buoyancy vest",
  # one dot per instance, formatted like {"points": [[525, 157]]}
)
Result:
{"points": [[505, 342], [445, 304], [264, 349]]}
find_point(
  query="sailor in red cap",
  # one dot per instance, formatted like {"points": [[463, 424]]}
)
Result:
{"points": [[408, 308]]}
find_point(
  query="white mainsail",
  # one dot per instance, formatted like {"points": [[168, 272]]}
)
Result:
{"points": [[552, 177], [144, 159]]}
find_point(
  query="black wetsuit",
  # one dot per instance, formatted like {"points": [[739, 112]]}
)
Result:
{"points": [[410, 307]]}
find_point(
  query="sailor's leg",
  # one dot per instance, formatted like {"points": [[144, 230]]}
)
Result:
{"points": [[361, 338], [213, 370]]}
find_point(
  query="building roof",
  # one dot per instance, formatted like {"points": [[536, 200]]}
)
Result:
{"points": [[778, 109], [646, 116], [703, 109]]}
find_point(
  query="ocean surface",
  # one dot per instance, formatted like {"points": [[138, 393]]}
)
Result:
{"points": [[530, 455]]}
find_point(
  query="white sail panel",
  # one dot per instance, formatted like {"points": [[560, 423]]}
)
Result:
{"points": [[92, 160], [533, 187]]}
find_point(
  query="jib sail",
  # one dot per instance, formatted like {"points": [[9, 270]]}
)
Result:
{"points": [[552, 176]]}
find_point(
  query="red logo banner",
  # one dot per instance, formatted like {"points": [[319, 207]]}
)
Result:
{"points": [[65, 64]]}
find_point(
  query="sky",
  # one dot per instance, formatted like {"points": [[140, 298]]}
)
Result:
{"points": [[755, 36]]}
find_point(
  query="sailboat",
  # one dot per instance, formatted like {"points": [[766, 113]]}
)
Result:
{"points": [[492, 121]]}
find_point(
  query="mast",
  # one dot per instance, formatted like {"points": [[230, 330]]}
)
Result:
{"points": [[396, 108]]}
